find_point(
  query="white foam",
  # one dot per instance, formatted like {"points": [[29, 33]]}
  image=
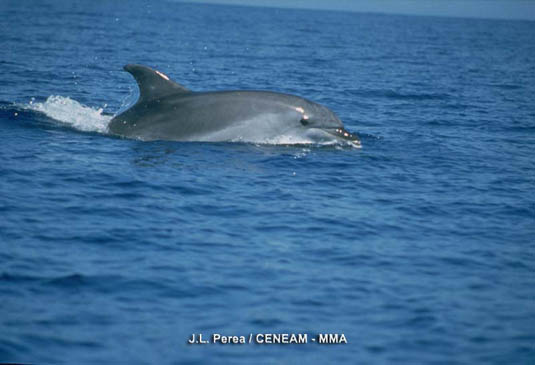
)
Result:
{"points": [[71, 112], [287, 139]]}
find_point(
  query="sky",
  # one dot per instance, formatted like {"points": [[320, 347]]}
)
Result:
{"points": [[493, 9]]}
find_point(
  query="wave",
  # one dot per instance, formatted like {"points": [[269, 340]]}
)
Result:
{"points": [[392, 94], [73, 113]]}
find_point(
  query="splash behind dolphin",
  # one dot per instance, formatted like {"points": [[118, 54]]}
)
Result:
{"points": [[166, 110]]}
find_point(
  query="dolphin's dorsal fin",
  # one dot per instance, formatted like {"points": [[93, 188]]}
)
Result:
{"points": [[153, 84]]}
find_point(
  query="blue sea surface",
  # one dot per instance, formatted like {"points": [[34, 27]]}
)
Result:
{"points": [[419, 247]]}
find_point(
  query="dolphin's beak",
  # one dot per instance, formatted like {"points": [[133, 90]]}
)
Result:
{"points": [[343, 134]]}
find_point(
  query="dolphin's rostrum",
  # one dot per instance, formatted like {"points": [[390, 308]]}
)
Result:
{"points": [[166, 110]]}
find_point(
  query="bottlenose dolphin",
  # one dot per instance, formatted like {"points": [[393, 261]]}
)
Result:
{"points": [[167, 110]]}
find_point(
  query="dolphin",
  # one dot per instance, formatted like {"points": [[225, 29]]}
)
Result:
{"points": [[167, 110]]}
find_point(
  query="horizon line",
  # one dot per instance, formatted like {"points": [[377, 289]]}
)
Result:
{"points": [[274, 5]]}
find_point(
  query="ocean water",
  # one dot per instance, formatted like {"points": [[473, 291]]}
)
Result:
{"points": [[418, 247]]}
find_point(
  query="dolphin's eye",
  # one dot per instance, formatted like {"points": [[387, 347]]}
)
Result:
{"points": [[304, 120]]}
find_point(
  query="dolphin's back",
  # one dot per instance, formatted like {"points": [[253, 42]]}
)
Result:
{"points": [[192, 115], [168, 110]]}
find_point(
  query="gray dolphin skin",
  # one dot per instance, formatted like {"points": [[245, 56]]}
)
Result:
{"points": [[167, 110]]}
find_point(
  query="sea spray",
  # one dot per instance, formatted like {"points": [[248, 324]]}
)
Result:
{"points": [[73, 113]]}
